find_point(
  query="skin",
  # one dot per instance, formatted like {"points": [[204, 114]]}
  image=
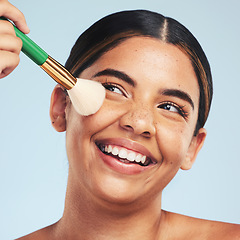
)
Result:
{"points": [[107, 199]]}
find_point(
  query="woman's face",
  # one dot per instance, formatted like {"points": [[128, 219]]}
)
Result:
{"points": [[134, 145]]}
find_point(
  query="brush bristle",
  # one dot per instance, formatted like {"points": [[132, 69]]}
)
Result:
{"points": [[87, 96]]}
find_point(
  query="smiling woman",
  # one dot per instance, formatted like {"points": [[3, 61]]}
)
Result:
{"points": [[158, 95]]}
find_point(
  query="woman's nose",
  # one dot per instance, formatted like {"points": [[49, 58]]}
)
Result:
{"points": [[139, 121]]}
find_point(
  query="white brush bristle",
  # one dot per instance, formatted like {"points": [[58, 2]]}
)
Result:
{"points": [[87, 96]]}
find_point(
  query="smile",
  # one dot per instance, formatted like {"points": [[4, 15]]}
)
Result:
{"points": [[125, 155]]}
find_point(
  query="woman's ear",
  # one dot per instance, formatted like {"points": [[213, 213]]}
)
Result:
{"points": [[57, 108], [194, 147]]}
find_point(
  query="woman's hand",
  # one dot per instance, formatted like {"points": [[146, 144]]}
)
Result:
{"points": [[10, 45]]}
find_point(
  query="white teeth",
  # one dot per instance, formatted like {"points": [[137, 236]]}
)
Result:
{"points": [[106, 148], [115, 151], [143, 160], [109, 149], [131, 156], [125, 154], [138, 158]]}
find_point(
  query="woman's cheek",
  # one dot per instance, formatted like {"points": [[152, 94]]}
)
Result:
{"points": [[107, 115], [173, 141]]}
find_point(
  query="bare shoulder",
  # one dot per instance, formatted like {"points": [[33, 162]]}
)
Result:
{"points": [[38, 235], [195, 228], [42, 234], [30, 236]]}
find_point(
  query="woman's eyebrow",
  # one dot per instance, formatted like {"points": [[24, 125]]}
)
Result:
{"points": [[118, 74], [178, 93]]}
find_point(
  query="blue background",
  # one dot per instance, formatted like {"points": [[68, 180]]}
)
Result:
{"points": [[33, 163]]}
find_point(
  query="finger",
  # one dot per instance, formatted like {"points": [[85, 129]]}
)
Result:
{"points": [[6, 28], [10, 43], [11, 60], [11, 12]]}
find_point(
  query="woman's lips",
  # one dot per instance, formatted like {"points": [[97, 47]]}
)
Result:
{"points": [[125, 156]]}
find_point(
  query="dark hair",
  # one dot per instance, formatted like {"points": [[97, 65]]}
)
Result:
{"points": [[111, 30]]}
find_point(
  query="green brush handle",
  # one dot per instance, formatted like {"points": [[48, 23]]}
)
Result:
{"points": [[30, 48]]}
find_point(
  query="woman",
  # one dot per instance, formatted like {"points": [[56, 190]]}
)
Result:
{"points": [[158, 95]]}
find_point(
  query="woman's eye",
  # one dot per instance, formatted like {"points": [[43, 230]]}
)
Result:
{"points": [[113, 88], [170, 107], [174, 108]]}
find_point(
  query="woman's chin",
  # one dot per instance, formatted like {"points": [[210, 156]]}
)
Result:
{"points": [[115, 190]]}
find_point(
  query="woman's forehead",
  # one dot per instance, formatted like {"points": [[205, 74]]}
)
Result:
{"points": [[146, 54], [149, 60]]}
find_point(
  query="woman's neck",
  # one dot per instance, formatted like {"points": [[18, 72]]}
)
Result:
{"points": [[86, 217]]}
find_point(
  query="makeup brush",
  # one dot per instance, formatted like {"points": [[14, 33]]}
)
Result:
{"points": [[86, 96]]}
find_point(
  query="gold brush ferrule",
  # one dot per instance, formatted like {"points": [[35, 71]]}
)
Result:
{"points": [[61, 75]]}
